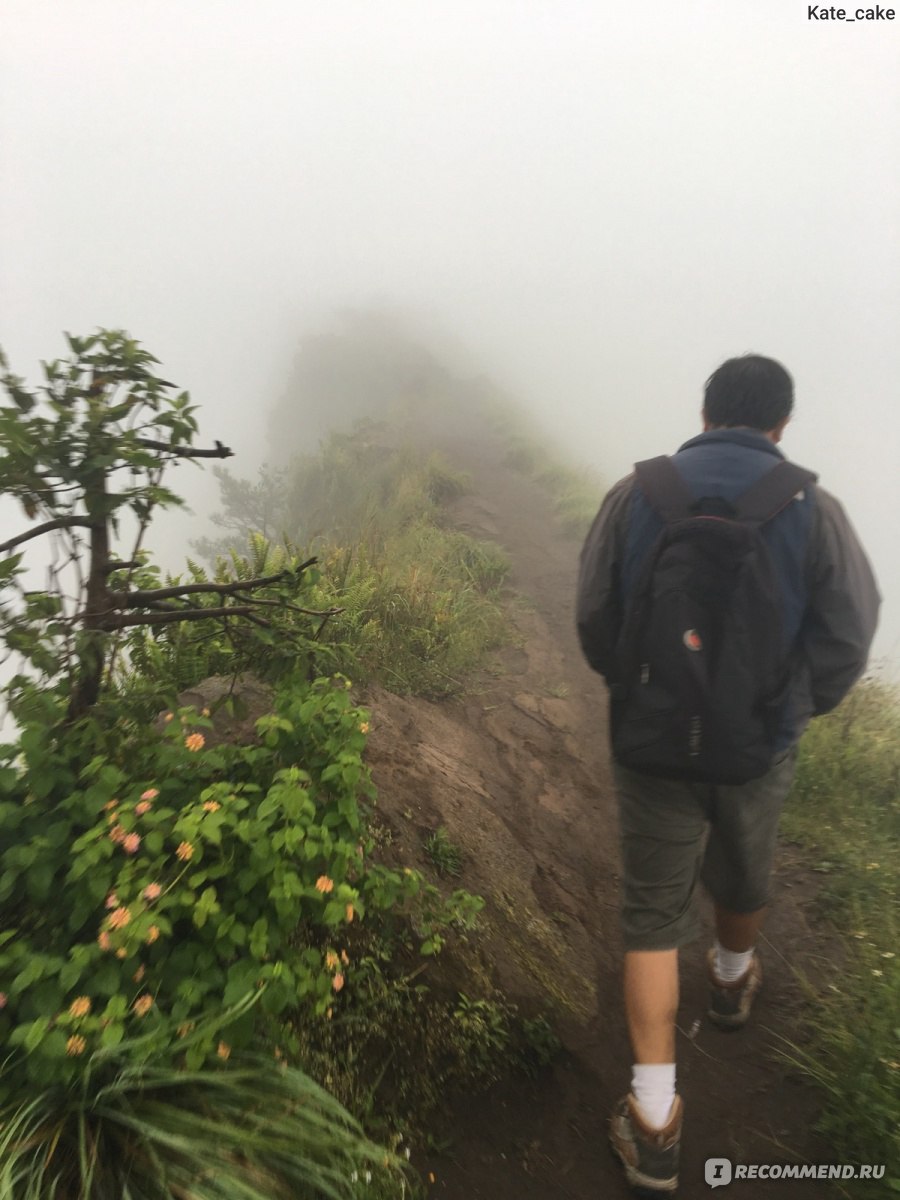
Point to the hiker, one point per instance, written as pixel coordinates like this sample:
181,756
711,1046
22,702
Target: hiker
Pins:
726,600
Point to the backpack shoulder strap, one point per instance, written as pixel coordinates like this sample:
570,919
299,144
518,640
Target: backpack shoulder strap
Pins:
666,491
772,492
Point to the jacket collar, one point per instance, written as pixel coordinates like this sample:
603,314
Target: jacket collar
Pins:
751,438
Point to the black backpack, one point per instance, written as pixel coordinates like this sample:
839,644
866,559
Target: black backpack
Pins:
701,672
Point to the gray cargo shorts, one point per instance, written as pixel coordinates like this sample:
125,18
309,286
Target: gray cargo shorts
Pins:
674,833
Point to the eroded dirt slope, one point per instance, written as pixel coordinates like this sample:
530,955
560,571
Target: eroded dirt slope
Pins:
518,773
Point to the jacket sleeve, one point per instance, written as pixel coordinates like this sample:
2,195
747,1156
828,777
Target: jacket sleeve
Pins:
842,613
599,603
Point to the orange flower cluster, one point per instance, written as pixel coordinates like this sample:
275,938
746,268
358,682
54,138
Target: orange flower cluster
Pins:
324,884
185,851
143,1004
80,1006
195,741
119,919
76,1044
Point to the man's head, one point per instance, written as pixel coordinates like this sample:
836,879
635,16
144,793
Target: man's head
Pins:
752,392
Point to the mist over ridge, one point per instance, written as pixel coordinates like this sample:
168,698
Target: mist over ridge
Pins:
591,209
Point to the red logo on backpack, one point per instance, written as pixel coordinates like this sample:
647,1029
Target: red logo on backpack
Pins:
692,639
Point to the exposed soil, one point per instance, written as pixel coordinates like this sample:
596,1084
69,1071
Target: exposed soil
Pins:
518,773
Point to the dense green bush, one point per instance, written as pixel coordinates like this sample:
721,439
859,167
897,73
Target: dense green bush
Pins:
191,877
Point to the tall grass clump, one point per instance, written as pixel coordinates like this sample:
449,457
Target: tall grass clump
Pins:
845,806
252,1130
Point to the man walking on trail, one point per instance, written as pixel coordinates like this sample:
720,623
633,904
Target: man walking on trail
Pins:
726,600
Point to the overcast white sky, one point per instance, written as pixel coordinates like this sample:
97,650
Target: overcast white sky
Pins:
602,201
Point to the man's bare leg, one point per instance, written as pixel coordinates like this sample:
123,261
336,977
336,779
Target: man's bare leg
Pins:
651,1002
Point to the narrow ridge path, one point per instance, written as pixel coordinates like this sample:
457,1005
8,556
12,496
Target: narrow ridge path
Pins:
519,771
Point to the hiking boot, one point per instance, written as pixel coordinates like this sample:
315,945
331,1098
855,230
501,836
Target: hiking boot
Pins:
649,1156
730,1003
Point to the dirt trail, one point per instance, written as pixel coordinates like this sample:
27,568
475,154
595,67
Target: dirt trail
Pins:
518,772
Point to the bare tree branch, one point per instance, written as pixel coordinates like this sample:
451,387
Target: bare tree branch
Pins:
219,450
149,596
135,599
120,620
165,616
46,527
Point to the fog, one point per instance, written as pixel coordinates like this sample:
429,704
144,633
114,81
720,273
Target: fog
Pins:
597,204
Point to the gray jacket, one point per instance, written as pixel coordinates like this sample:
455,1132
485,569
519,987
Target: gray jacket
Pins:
828,591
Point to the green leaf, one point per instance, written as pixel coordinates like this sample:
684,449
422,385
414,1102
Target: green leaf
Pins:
112,1035
36,1032
154,842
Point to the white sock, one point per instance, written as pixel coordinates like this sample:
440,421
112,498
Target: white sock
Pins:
653,1086
730,966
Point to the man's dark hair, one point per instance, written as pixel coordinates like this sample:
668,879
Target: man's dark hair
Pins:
751,390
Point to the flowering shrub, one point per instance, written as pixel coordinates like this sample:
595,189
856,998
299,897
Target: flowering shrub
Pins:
161,880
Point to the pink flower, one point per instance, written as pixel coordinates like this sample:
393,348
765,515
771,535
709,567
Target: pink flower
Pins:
150,794
131,843
143,807
117,834
119,919
112,900
152,891
103,940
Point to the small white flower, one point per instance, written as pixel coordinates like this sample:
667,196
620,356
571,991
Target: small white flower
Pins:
354,1176
878,972
368,1177
889,954
407,1153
